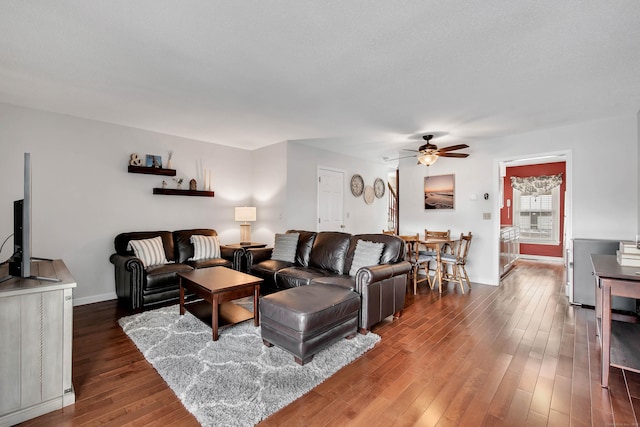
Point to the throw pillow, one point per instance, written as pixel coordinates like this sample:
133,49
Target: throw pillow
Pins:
205,247
366,254
284,248
150,251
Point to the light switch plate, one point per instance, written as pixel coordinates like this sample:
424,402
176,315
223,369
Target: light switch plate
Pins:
486,215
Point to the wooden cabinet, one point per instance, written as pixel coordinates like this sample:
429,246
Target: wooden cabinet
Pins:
36,331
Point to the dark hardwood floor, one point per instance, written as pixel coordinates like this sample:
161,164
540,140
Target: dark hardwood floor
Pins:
514,355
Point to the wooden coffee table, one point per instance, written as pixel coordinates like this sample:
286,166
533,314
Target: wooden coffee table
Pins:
218,286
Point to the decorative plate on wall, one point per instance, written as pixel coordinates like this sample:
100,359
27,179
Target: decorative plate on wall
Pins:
357,185
378,187
369,194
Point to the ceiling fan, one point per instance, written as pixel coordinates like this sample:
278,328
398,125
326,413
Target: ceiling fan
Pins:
428,153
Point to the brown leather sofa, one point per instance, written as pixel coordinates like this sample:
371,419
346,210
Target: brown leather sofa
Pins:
325,258
139,288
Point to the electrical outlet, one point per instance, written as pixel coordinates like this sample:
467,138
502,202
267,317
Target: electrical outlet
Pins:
486,215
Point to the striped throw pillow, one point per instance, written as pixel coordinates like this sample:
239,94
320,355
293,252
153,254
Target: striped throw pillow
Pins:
205,247
150,251
366,254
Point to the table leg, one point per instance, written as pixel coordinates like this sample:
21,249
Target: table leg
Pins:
214,317
181,298
256,305
439,267
606,331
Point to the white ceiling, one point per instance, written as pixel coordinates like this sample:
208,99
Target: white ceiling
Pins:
363,76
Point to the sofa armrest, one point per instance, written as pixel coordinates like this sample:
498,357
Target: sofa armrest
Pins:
256,255
228,253
376,273
382,291
129,276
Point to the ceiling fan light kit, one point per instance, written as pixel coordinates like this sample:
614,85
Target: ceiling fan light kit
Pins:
428,159
428,153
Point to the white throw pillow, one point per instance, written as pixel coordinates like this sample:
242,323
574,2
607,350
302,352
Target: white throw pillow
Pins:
366,254
205,247
150,251
284,248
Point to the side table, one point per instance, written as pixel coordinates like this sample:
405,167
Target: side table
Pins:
240,254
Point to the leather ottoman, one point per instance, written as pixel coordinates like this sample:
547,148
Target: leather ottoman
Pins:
307,319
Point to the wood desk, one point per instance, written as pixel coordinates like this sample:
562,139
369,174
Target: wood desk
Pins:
620,341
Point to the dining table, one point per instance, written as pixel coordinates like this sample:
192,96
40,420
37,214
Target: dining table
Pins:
437,244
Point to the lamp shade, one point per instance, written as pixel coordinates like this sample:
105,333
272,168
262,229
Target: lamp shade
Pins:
428,159
246,213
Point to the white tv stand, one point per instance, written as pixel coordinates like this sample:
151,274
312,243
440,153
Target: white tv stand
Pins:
36,332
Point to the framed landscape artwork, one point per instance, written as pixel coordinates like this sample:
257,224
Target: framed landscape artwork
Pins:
439,192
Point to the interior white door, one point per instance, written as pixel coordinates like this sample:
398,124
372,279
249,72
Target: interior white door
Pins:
330,200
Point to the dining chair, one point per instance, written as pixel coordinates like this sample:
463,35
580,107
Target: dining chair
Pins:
430,234
418,260
432,266
454,263
437,234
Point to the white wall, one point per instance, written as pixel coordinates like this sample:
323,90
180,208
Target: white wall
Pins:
604,158
83,196
269,183
302,192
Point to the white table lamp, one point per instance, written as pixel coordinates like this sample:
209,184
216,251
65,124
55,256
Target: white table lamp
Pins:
245,214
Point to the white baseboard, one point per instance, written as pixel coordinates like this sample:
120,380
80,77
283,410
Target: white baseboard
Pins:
94,298
553,259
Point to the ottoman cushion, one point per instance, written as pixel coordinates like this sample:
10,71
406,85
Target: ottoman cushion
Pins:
310,308
306,319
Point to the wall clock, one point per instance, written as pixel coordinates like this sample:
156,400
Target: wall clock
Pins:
357,185
369,194
378,187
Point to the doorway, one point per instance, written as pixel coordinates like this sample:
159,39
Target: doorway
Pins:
533,225
393,215
330,199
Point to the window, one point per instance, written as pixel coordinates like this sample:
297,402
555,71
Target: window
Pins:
538,216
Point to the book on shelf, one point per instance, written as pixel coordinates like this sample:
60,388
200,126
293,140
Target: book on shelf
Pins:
628,260
629,247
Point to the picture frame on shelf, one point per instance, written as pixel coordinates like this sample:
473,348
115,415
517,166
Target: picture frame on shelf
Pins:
153,161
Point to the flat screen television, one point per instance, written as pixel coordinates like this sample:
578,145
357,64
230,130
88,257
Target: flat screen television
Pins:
20,262
20,265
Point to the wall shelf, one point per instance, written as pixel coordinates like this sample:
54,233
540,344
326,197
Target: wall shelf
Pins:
176,192
152,171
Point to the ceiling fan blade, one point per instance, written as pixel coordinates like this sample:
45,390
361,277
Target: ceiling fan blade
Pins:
399,158
458,155
454,147
409,149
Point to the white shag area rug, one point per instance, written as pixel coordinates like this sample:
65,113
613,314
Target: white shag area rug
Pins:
237,380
